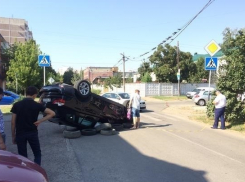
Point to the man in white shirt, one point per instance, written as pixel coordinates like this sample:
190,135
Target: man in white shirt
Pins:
220,103
135,104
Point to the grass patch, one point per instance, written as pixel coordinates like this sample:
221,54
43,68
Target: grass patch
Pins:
169,98
204,119
6,109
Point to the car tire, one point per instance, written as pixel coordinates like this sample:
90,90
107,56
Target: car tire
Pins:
117,127
103,126
63,127
71,134
83,87
108,132
127,105
201,102
70,128
127,125
88,132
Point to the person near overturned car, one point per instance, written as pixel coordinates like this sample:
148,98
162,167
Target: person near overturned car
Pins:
135,105
2,134
25,122
220,104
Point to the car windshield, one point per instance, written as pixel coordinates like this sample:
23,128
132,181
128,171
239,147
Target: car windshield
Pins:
196,90
124,95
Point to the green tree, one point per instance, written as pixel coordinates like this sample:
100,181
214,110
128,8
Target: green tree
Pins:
76,76
67,77
113,81
144,68
199,72
165,66
146,78
23,65
231,80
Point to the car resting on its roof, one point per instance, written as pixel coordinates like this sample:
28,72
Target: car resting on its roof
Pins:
77,106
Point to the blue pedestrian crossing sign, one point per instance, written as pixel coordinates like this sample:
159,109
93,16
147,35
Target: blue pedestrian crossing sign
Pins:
44,60
211,63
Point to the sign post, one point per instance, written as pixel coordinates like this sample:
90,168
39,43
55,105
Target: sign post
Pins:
44,61
51,80
178,78
211,63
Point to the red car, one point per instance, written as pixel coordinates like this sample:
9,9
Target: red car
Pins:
15,168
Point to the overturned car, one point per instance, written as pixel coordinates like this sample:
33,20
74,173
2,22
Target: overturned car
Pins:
77,106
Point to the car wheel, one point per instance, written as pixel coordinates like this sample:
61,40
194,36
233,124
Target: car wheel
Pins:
127,104
201,102
70,128
127,125
88,132
103,126
117,127
71,134
108,132
83,88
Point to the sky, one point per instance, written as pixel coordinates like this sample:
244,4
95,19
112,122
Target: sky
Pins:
84,33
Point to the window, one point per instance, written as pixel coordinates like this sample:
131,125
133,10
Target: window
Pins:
124,95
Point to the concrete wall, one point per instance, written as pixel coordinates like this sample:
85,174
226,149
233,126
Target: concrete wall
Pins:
156,89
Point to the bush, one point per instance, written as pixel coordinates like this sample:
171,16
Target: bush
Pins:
210,109
96,91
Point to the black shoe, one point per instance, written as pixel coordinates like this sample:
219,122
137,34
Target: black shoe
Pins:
213,127
222,128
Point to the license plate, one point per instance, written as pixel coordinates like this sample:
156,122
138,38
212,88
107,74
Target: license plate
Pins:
46,100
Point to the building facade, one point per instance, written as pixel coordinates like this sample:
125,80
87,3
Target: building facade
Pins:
15,30
3,61
96,74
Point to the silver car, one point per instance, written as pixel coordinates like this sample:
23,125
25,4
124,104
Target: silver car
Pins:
197,90
201,98
122,98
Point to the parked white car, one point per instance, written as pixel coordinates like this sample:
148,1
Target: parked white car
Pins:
198,89
201,98
122,98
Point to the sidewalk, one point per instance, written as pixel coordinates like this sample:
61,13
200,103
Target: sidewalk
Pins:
58,157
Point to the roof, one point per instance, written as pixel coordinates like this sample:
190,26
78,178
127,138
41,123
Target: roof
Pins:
197,56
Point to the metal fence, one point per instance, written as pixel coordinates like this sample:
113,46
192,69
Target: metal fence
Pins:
158,89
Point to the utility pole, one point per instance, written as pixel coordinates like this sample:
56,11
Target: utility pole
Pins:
178,74
123,72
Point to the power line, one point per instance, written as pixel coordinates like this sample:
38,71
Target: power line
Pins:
175,34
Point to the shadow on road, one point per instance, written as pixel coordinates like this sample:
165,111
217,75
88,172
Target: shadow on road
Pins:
113,159
152,125
101,158
145,111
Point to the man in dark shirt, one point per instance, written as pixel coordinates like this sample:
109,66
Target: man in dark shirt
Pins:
25,121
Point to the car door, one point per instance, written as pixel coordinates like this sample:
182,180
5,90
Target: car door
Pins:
206,94
6,100
115,97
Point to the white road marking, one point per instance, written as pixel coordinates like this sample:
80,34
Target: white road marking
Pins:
68,146
197,144
155,119
206,148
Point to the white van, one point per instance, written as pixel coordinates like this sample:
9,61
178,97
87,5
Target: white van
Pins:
198,89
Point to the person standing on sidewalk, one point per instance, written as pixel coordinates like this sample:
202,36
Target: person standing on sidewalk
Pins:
25,122
135,104
2,134
220,104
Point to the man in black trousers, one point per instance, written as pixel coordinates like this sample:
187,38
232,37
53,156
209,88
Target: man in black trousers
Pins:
25,122
220,103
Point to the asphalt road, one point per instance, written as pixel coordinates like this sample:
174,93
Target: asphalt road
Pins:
165,149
